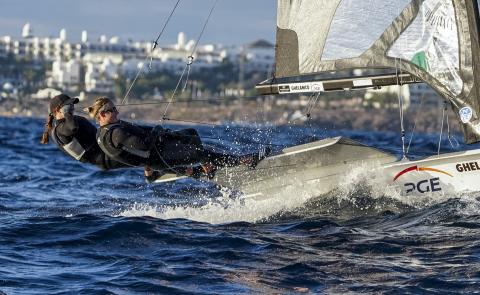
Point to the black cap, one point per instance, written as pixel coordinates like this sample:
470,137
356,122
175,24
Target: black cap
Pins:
61,100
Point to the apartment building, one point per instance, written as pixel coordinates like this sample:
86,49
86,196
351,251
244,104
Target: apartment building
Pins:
95,64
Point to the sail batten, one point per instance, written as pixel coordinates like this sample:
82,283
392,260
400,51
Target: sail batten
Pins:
435,41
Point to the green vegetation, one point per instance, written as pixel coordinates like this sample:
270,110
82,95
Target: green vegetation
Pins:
28,73
211,82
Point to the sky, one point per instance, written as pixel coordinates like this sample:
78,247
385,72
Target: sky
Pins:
233,22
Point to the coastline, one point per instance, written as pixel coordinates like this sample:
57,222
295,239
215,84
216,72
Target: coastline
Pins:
348,116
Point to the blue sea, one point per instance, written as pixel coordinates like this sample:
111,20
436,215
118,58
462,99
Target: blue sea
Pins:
67,228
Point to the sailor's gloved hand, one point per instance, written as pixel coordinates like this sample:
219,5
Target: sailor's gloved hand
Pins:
67,109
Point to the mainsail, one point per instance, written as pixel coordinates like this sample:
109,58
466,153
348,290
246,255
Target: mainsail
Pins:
435,41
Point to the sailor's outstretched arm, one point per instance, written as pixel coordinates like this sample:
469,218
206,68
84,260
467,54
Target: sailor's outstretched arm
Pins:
69,127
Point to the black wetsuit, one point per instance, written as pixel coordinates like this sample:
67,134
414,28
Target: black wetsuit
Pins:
156,147
76,137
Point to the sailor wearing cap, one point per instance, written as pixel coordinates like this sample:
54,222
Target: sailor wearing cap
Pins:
75,135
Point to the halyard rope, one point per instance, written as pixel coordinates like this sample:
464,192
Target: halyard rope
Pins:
441,129
154,45
400,107
189,61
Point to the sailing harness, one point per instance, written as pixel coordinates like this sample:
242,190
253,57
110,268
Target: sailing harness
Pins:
121,153
74,148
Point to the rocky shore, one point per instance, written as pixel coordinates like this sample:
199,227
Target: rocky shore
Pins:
350,115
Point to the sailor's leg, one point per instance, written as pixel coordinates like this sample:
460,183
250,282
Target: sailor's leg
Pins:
226,160
221,159
109,164
252,160
187,136
176,150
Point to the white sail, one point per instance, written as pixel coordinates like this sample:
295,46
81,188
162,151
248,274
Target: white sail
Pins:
435,41
431,42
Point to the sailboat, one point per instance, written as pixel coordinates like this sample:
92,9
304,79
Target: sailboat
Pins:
321,44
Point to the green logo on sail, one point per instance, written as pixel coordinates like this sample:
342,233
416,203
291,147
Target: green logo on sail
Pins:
420,60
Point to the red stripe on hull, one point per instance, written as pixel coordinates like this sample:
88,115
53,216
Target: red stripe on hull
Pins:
414,168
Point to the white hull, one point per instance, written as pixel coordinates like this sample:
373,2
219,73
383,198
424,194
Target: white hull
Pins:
451,173
307,170
319,167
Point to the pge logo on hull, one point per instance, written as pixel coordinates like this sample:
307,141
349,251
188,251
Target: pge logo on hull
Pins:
423,186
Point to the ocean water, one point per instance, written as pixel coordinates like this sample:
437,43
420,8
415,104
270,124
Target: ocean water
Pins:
67,228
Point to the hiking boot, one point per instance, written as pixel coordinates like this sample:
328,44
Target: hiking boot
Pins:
194,171
209,170
153,176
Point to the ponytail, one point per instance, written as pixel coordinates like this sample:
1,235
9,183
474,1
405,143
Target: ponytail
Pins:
48,127
91,111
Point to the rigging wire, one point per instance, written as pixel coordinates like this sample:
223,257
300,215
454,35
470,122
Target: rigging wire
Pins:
172,97
422,100
400,100
189,61
155,43
400,107
189,101
189,121
311,104
154,46
450,137
216,125
187,66
442,125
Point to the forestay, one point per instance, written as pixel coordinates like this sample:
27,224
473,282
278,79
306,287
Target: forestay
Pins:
435,41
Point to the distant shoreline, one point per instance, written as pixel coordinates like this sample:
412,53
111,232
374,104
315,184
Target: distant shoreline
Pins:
261,112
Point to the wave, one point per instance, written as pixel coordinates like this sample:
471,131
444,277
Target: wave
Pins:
360,194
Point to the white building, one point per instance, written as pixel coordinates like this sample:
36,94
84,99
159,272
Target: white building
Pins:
256,57
65,75
46,93
101,70
27,31
50,49
260,57
105,58
175,58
